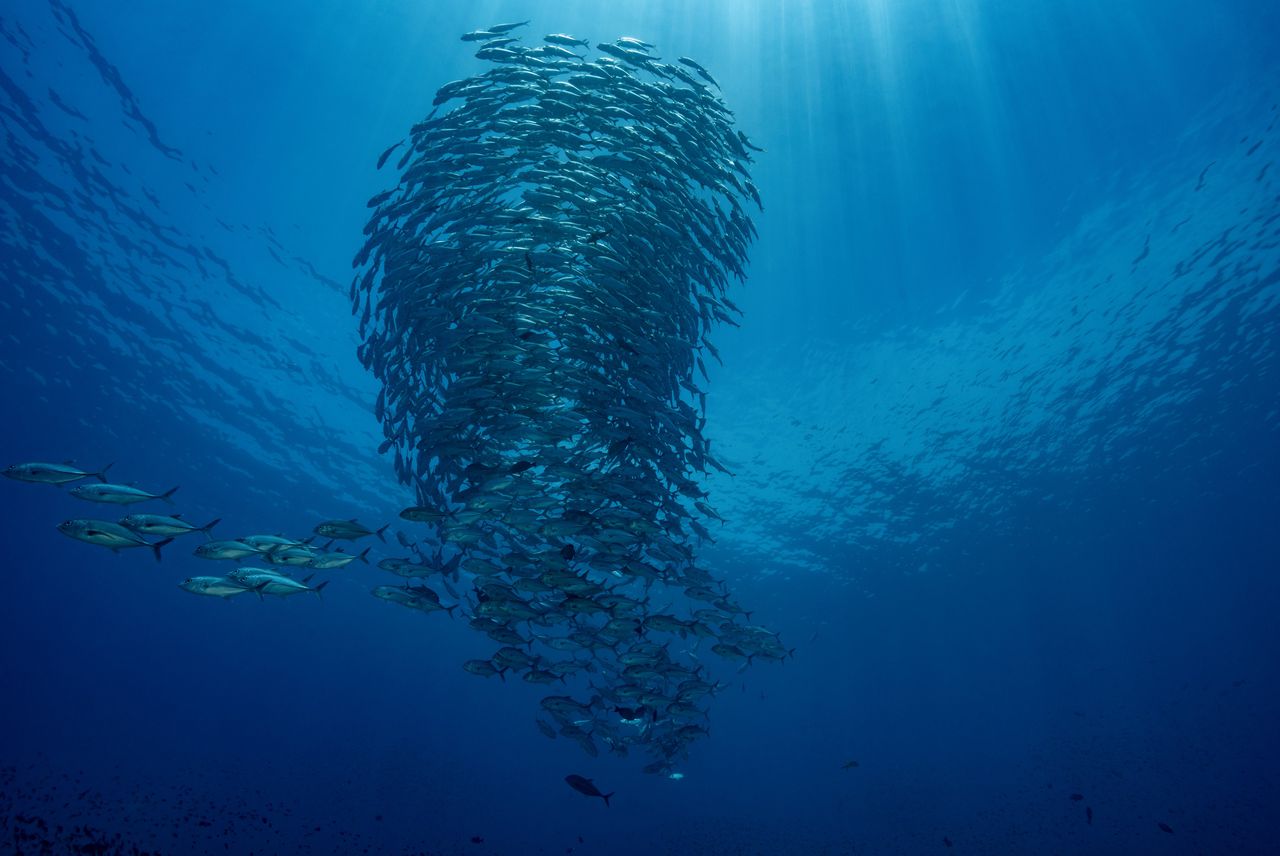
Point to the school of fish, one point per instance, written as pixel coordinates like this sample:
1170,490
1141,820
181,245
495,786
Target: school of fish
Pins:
536,296
156,531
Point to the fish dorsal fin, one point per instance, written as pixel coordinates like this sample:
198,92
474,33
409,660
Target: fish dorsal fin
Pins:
177,516
353,520
70,463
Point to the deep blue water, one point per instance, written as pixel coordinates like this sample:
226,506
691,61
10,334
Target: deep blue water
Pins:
1004,413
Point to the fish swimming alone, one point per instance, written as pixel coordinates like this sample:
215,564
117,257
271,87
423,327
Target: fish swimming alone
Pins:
587,787
104,533
55,474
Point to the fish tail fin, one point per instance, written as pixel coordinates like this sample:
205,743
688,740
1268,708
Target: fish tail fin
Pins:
156,547
379,533
318,589
450,609
502,673
364,557
606,798
792,653
101,475
167,496
207,529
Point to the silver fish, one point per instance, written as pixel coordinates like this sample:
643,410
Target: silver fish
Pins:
159,524
55,474
213,586
104,533
118,494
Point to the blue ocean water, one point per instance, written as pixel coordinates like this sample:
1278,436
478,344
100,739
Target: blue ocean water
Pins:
1003,414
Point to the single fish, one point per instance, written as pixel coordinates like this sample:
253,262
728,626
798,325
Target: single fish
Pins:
423,514
160,525
506,28
225,550
339,559
294,556
213,586
119,494
104,533
264,581
484,669
587,787
55,474
565,40
382,158
268,543
348,530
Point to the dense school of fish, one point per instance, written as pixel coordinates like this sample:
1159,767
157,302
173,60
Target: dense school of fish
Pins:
536,296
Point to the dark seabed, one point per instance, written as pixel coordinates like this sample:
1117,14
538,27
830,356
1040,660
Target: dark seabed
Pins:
995,436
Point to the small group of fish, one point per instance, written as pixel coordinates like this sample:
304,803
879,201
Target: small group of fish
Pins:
155,531
131,531
536,296
280,552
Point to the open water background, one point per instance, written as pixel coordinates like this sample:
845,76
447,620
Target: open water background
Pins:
1004,414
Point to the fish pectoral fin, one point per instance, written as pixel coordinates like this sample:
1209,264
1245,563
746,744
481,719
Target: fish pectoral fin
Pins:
156,546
